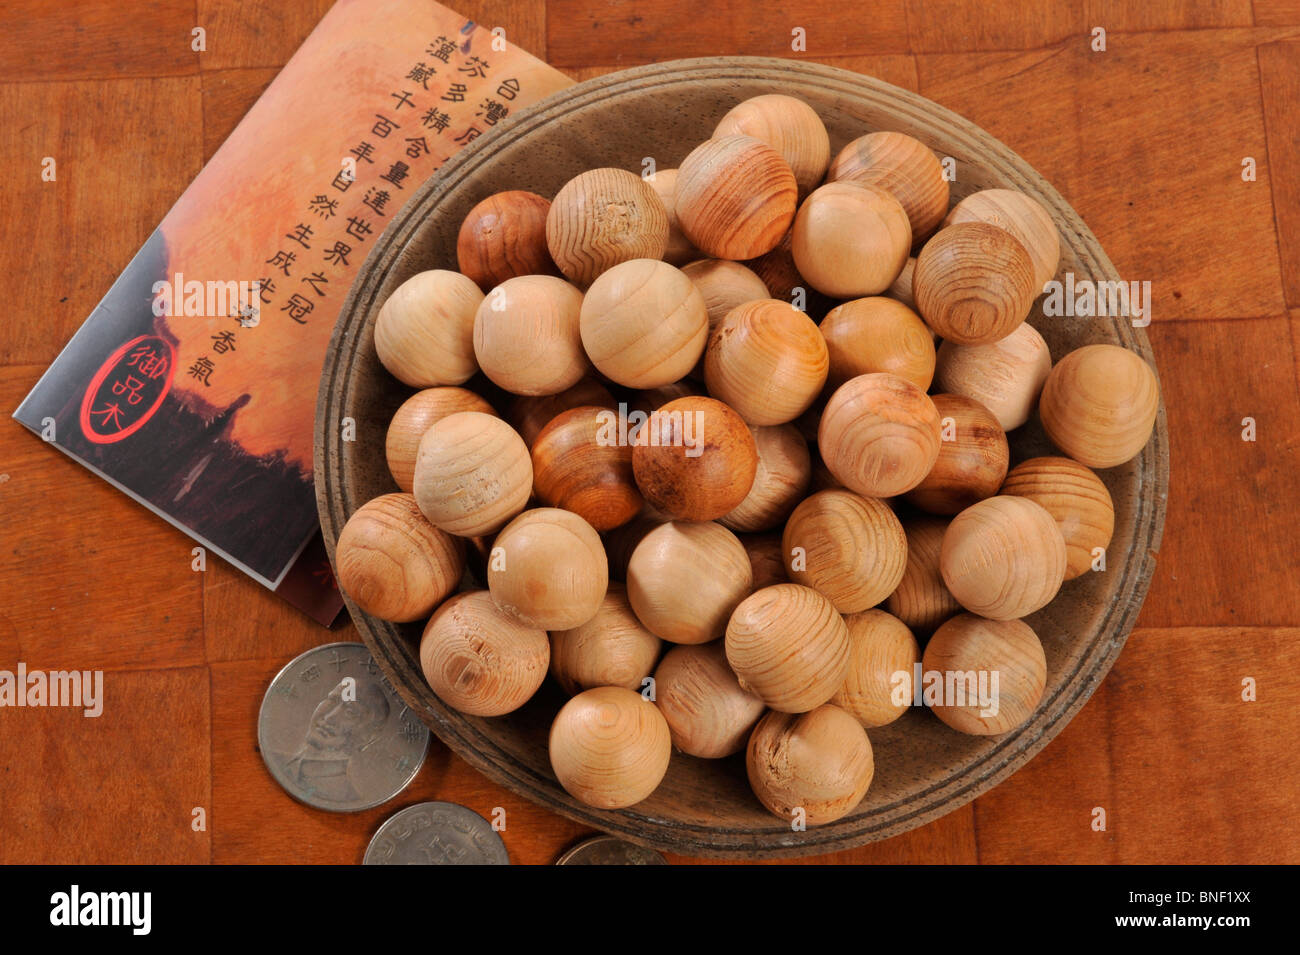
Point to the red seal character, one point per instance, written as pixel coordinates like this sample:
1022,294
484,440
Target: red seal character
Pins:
127,389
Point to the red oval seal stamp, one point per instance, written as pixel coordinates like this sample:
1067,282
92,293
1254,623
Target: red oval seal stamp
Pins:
128,388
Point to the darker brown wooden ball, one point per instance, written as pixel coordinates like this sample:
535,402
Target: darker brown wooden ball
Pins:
973,457
580,465
504,236
695,459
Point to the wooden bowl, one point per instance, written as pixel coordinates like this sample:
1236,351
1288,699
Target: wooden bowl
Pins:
706,807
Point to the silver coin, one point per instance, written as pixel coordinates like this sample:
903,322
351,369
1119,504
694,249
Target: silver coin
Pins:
335,734
436,833
606,850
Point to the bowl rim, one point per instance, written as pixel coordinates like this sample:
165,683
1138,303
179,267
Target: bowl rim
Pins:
952,792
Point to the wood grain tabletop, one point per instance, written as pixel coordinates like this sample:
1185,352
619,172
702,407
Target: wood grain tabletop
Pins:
1148,140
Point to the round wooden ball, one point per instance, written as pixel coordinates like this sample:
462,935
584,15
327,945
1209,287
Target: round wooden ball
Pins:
903,166
527,338
724,285
765,559
1099,405
548,569
880,648
603,217
879,435
735,197
767,361
777,271
472,474
1075,497
876,334
849,548
393,563
921,600
709,714
644,324
973,283
1003,558
850,239
780,482
424,333
788,645
613,648
480,661
505,236
901,288
1009,648
973,457
1023,217
679,250
695,459
529,414
417,415
685,579
788,125
579,465
819,762
1006,377
610,747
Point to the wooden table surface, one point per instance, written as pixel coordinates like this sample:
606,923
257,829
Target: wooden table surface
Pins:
1146,139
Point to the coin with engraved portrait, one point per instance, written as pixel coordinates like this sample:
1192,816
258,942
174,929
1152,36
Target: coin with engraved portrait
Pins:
436,833
335,734
606,850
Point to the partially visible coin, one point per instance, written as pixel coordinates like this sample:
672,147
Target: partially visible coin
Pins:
436,833
606,850
335,734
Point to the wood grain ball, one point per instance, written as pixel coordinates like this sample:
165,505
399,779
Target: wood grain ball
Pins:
610,747
877,334
579,465
472,474
922,600
1023,217
393,563
820,762
478,660
679,250
880,648
1009,648
504,236
765,559
1006,377
879,435
548,569
644,324
780,481
850,239
527,336
788,125
735,197
709,714
1076,498
788,645
1099,405
613,648
973,283
424,333
417,415
901,288
973,457
903,166
603,217
685,579
1003,558
766,360
695,459
849,548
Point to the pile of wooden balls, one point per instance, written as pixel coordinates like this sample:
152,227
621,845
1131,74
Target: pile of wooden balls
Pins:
783,506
